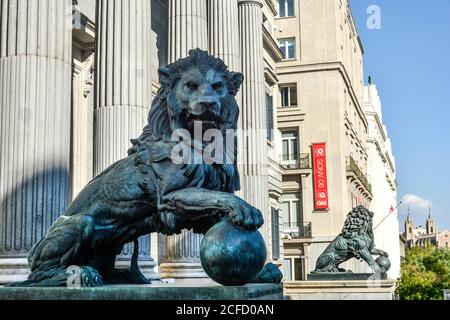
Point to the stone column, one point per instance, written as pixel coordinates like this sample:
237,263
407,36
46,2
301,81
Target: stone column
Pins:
223,32
188,29
187,24
254,186
35,110
224,43
123,90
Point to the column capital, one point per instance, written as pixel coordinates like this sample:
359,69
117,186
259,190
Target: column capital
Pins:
252,2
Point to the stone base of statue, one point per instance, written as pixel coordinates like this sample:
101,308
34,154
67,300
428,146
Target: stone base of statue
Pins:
340,289
157,291
17,269
13,270
343,276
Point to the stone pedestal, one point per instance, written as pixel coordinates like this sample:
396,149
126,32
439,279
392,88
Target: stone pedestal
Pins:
340,290
123,91
35,110
343,276
149,292
13,270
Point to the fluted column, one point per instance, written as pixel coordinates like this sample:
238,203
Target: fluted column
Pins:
254,185
187,24
123,86
223,32
224,43
35,109
188,29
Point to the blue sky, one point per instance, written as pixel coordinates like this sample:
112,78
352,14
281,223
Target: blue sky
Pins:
409,61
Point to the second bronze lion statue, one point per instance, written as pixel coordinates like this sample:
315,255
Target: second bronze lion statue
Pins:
355,241
147,192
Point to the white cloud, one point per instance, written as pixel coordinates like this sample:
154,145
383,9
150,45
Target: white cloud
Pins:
416,202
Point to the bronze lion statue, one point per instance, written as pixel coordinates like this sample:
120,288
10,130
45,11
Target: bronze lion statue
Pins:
355,241
147,192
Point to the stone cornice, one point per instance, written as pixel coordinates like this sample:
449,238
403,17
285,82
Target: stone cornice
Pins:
271,7
378,122
271,46
271,76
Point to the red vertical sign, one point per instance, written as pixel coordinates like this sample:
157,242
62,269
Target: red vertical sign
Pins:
320,176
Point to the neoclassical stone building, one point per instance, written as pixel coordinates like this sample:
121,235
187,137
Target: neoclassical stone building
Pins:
321,101
76,82
77,78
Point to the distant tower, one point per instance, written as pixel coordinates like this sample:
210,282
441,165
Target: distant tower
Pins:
431,227
409,226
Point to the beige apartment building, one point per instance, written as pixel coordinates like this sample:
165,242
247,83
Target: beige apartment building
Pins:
321,101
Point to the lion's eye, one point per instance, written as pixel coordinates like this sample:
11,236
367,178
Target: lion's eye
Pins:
191,85
217,85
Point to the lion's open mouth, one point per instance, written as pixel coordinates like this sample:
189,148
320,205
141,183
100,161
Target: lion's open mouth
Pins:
207,120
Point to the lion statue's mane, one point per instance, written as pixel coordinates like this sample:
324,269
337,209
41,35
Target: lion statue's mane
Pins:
156,141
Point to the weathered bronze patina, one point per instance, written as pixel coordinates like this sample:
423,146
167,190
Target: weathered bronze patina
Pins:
355,241
147,191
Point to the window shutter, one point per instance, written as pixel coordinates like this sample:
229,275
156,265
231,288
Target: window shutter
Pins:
275,234
270,122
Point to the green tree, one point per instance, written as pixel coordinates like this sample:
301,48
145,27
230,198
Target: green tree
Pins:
424,274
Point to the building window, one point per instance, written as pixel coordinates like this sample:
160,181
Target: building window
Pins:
275,234
298,269
290,210
293,269
287,269
286,8
289,95
287,47
270,121
410,230
290,145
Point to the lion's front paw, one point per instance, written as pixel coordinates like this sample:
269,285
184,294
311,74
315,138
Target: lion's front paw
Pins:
246,216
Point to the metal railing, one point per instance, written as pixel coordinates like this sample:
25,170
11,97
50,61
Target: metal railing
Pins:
352,166
298,230
295,161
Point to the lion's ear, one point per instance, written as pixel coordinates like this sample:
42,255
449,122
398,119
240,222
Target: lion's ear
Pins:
237,79
164,76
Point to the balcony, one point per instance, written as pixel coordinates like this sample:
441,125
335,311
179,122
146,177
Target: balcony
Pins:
353,167
295,161
297,230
